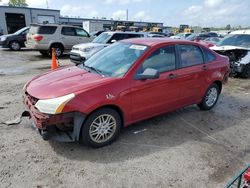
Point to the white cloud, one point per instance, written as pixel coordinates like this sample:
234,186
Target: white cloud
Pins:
143,16
213,3
79,11
216,13
121,2
119,14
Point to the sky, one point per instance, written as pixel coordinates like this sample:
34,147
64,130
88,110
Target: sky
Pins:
204,13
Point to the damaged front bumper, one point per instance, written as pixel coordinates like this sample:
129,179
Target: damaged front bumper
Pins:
64,127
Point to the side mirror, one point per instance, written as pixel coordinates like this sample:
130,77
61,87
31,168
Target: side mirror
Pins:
113,41
148,73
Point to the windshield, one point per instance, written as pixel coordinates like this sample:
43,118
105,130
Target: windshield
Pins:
20,31
115,60
236,40
102,38
191,37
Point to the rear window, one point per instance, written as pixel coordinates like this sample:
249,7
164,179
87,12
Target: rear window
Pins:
42,29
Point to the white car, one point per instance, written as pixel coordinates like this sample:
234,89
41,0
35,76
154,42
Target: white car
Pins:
81,52
236,46
181,36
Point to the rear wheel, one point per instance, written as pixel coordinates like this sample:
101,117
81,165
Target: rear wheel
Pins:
210,98
246,71
101,128
58,49
15,45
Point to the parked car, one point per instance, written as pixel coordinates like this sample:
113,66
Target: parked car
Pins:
14,41
96,33
181,36
214,40
158,34
198,36
237,47
81,52
44,37
124,83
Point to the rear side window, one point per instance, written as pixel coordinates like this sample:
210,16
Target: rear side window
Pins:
81,32
190,55
162,59
47,29
69,31
208,55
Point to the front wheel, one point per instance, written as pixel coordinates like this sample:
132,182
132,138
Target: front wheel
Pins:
210,98
15,45
101,128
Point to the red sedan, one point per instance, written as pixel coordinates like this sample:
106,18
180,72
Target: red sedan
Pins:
124,83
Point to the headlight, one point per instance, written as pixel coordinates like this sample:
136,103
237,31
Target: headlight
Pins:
55,105
3,38
86,49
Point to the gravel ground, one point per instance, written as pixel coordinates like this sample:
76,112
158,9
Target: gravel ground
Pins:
185,148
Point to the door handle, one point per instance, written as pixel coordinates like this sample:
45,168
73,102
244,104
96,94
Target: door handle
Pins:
172,76
204,67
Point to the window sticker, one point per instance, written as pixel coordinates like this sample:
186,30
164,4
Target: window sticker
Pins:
137,47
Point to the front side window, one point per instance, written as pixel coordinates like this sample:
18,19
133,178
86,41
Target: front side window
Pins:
162,59
116,59
190,55
81,32
69,31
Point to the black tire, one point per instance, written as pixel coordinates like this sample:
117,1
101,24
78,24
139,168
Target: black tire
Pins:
207,105
15,45
246,71
58,48
44,52
91,125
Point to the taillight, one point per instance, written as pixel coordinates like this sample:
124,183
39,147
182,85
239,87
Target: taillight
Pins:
38,37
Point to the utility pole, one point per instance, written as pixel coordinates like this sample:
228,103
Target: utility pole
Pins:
127,14
47,3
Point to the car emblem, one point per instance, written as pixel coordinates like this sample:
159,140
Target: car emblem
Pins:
109,96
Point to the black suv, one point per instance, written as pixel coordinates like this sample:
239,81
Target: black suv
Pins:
14,41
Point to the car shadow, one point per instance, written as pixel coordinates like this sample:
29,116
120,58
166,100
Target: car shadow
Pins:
162,132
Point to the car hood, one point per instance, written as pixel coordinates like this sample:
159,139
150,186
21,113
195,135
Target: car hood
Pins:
90,45
226,48
64,81
9,35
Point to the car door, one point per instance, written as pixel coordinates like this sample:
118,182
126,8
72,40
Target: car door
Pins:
68,37
154,96
192,73
82,36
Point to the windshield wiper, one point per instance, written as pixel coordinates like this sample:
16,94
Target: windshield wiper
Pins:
94,69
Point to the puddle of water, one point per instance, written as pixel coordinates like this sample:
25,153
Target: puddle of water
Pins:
12,71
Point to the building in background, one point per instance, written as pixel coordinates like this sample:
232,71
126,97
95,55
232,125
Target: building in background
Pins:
15,18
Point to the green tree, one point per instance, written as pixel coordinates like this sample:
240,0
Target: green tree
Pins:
18,3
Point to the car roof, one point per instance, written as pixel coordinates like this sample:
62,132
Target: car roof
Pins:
156,41
241,32
63,25
124,32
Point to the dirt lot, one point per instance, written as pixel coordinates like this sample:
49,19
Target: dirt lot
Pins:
186,148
